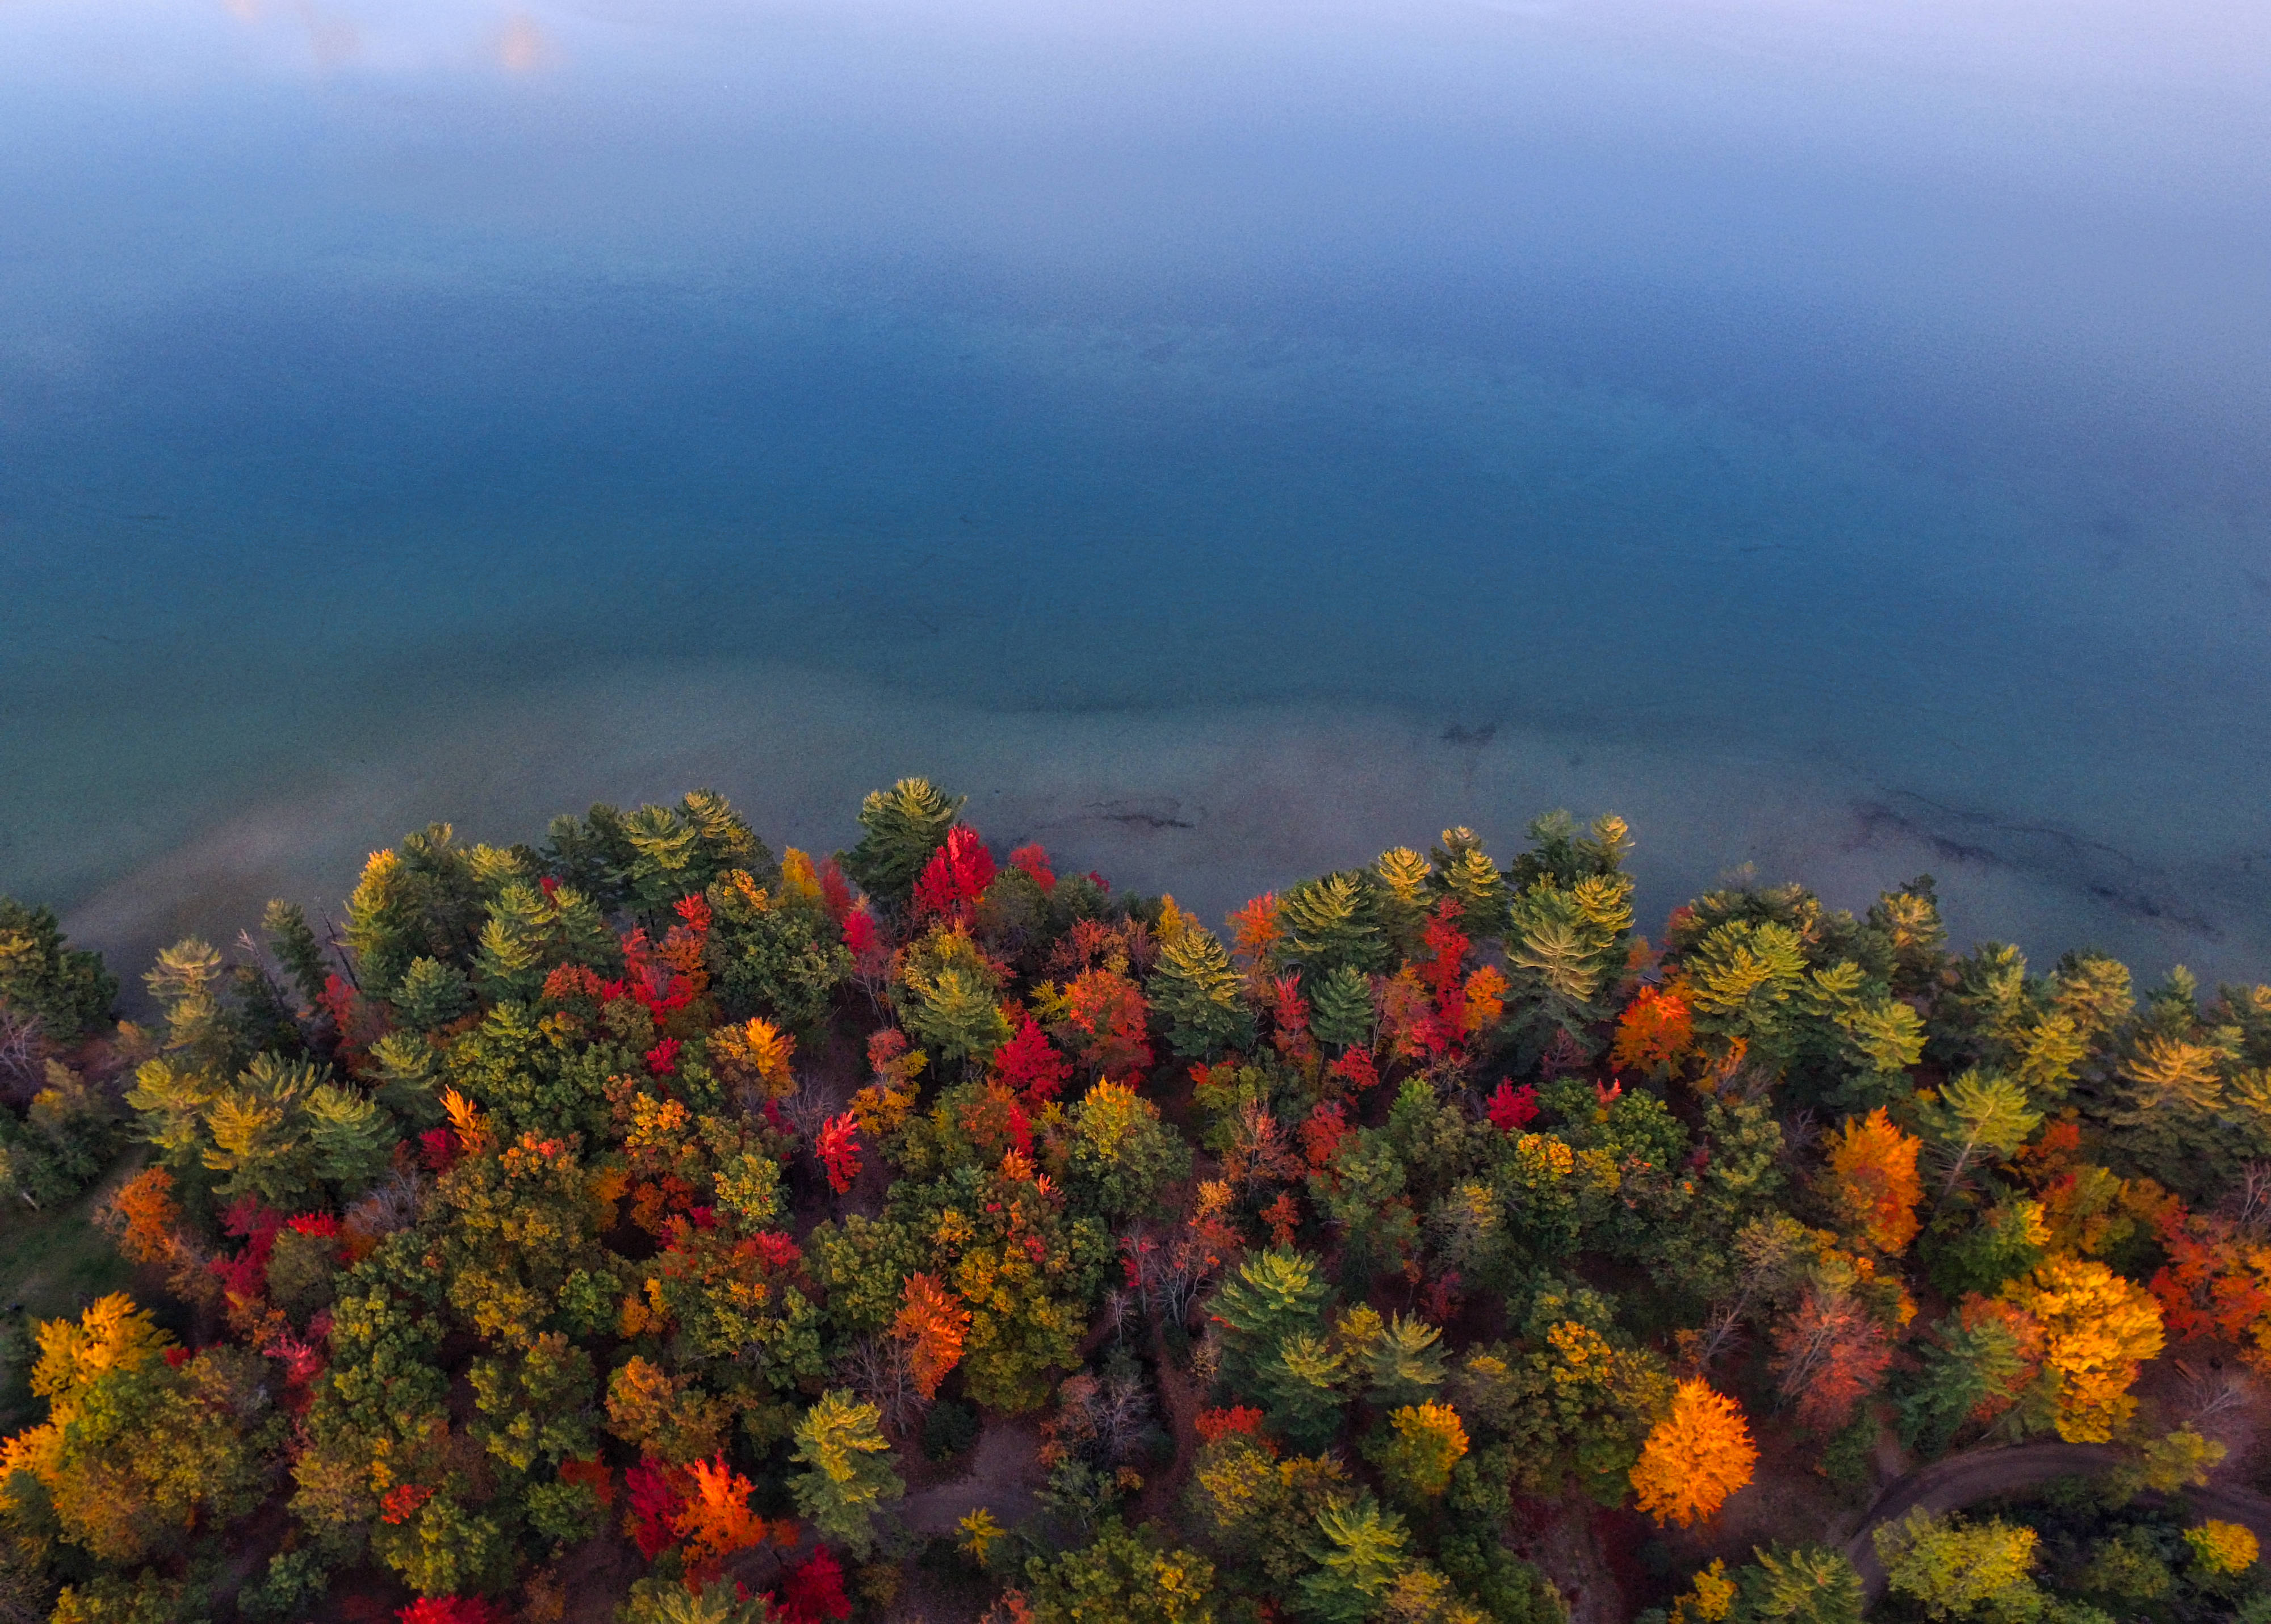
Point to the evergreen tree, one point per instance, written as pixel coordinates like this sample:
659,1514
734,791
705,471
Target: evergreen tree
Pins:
433,994
846,1476
1977,1115
67,988
1201,996
1403,1364
1462,869
1362,1551
1340,1007
1274,1296
289,938
350,1136
904,826
1332,922
1809,1584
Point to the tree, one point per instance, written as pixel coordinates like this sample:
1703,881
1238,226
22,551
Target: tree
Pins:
838,1146
814,1593
1830,1354
1959,1570
2222,1547
1275,1295
951,993
955,876
1428,1440
934,1325
1873,1184
1971,1371
904,826
1655,1032
1363,1550
846,1476
141,1442
1807,1585
1341,1012
1328,923
1402,1361
1698,1455
716,1521
1977,1114
65,987
1121,1576
1199,993
1574,1411
2097,1329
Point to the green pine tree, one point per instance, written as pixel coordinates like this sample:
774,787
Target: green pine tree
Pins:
351,1136
1362,1549
1330,922
433,994
1201,996
846,1472
1275,1295
289,938
1340,1007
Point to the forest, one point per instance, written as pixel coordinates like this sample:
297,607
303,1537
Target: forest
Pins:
647,1225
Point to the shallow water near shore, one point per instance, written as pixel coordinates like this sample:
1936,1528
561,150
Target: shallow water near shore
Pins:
1222,445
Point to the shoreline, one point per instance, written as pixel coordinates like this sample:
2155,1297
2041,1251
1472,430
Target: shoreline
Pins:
1224,803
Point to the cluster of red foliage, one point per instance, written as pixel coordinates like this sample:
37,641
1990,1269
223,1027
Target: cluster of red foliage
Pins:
838,1147
662,980
813,1593
1108,1021
454,1610
1214,1426
1512,1108
1030,1066
650,1517
954,879
1035,862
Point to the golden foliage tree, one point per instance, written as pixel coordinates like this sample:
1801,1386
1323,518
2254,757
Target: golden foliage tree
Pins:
1696,1458
2097,1329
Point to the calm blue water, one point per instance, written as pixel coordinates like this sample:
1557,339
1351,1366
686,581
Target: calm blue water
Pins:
1835,430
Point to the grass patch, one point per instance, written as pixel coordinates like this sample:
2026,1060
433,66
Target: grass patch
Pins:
52,1263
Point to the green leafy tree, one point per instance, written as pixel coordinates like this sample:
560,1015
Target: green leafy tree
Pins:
1461,868
1275,1295
285,924
423,899
1954,1569
847,1475
349,1134
432,994
1120,1578
1330,923
1404,1363
1961,1371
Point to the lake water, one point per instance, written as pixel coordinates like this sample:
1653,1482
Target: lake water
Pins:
1223,439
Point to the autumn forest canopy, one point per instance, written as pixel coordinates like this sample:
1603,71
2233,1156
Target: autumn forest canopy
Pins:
647,1225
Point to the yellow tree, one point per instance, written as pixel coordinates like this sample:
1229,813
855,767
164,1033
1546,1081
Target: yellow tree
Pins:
1697,1456
1871,1180
2097,1329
